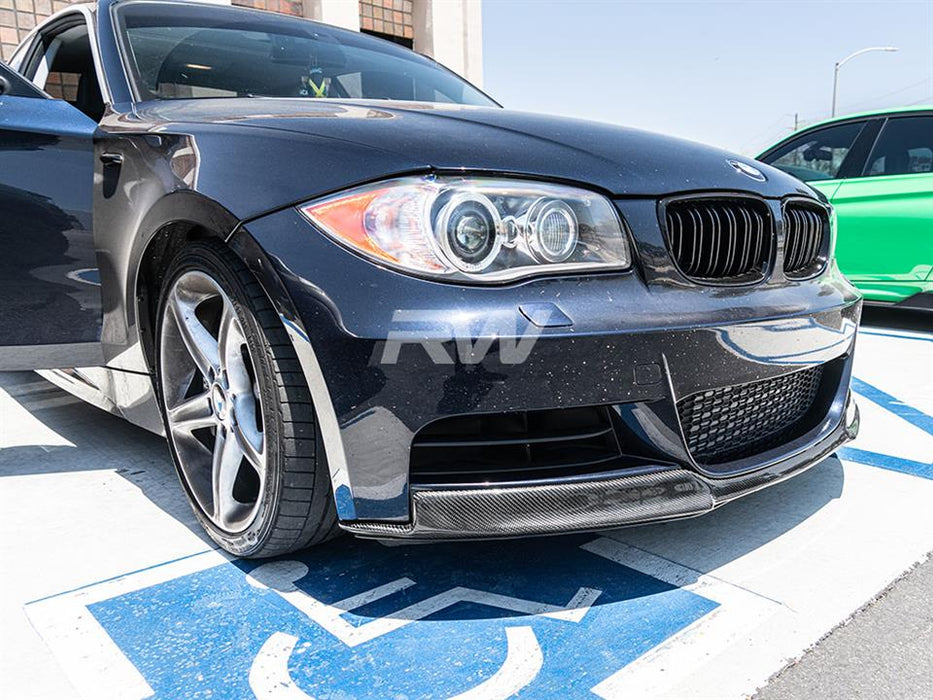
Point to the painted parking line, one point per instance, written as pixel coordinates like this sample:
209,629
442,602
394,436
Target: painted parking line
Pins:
926,338
89,656
603,614
904,411
912,415
897,464
431,621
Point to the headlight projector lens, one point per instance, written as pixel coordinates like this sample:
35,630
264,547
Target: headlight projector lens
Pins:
469,230
552,231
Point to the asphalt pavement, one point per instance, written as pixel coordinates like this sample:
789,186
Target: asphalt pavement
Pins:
884,651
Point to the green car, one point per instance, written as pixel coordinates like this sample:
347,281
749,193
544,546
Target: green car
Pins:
877,170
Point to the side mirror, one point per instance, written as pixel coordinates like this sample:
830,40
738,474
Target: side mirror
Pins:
5,86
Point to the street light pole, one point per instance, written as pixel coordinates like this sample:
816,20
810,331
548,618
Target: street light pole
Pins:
841,63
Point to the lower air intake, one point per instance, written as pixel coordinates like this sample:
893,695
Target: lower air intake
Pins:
523,445
735,422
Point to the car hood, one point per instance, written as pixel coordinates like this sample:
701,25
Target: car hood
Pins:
405,136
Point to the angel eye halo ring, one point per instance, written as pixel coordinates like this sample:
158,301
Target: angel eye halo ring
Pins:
552,230
469,231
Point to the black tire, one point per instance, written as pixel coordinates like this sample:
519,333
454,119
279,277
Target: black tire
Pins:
296,507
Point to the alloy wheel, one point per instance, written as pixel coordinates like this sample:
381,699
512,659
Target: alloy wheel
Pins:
212,402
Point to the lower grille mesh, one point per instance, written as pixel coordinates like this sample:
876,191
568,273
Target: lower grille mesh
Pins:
722,425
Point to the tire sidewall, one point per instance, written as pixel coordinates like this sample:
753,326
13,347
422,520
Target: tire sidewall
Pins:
209,260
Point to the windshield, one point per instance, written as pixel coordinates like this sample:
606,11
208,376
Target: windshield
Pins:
178,51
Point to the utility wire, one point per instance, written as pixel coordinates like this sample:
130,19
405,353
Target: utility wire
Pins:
874,100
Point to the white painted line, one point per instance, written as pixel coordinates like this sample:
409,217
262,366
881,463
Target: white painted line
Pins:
377,593
805,550
687,651
269,678
89,657
522,664
93,663
281,577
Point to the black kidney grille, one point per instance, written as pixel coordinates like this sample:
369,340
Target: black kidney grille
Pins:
719,239
499,447
723,425
805,228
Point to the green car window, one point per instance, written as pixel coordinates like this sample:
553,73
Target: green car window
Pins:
817,155
905,147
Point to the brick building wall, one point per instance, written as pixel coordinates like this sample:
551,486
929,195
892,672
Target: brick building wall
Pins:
388,18
18,17
286,7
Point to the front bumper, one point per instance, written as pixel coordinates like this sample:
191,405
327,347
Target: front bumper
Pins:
597,503
637,342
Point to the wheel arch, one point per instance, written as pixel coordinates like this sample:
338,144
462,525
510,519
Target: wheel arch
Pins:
190,216
173,221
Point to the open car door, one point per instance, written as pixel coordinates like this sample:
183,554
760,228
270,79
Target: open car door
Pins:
50,297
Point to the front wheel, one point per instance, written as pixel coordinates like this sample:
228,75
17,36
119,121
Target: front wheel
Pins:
238,413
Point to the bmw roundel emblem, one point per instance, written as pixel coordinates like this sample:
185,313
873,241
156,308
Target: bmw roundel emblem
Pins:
748,170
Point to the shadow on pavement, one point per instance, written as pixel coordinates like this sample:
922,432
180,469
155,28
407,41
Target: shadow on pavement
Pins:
100,441
74,436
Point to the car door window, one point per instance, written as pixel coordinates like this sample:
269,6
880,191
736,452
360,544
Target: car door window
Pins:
65,70
905,147
817,155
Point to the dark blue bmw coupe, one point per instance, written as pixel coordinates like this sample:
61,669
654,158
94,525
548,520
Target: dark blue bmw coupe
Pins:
355,293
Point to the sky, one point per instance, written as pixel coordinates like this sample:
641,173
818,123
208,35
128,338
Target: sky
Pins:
731,74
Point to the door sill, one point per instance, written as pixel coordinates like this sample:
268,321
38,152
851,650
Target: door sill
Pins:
25,357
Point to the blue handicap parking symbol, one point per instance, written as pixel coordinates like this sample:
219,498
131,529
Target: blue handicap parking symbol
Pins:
357,619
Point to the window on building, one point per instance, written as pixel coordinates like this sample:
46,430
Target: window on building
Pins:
388,19
905,147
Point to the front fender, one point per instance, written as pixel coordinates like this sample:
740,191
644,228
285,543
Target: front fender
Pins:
244,245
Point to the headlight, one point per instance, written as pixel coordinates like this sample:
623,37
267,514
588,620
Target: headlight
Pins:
473,228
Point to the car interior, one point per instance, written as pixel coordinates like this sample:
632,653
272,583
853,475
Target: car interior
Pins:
65,70
905,147
193,62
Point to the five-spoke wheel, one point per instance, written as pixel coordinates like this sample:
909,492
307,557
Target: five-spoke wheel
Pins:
212,404
242,431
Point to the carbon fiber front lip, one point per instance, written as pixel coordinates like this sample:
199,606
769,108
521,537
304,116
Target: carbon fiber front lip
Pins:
598,504
548,508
